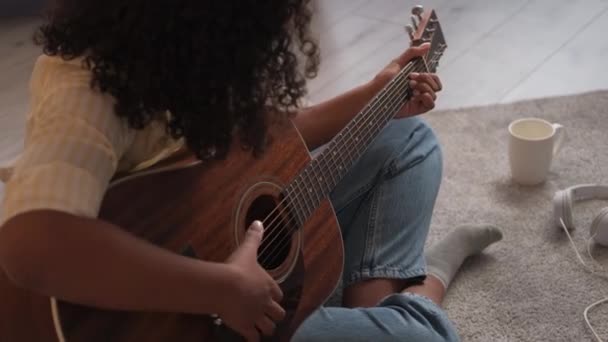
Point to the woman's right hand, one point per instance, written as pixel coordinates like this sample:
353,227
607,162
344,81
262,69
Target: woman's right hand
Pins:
254,296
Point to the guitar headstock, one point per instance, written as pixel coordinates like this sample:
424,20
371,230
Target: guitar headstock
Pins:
425,28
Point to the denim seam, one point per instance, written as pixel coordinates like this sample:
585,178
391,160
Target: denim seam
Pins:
356,195
389,170
370,238
393,171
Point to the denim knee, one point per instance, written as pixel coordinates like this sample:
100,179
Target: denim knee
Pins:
399,317
408,142
424,320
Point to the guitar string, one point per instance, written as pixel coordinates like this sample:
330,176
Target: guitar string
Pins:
391,98
299,189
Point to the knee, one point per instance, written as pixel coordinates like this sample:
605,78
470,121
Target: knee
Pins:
412,142
423,320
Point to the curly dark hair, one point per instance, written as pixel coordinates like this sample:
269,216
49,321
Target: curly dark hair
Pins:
217,66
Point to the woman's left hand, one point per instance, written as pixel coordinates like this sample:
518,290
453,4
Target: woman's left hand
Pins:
424,85
425,88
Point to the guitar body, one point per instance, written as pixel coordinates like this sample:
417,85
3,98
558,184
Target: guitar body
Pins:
200,210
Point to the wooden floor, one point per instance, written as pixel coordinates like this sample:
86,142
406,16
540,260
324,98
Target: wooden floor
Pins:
499,51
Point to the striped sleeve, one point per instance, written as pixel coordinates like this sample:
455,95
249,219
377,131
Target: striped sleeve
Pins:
72,147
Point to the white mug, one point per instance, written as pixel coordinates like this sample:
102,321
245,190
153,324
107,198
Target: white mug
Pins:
532,145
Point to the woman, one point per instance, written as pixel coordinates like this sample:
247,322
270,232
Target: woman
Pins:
125,83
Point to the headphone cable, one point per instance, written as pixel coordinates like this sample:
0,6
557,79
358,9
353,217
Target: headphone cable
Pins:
585,313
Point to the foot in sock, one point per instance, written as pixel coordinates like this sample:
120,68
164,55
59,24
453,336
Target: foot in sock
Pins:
445,257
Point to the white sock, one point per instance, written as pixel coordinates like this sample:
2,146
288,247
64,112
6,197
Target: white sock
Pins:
445,257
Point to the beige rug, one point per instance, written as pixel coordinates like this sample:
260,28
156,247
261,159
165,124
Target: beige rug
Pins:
530,286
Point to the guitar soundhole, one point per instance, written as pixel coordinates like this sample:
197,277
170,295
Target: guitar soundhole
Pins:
279,226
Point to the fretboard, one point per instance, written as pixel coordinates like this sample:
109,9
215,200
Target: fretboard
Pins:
323,173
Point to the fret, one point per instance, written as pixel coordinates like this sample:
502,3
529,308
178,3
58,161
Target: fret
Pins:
308,192
322,178
352,155
332,162
341,164
313,185
295,208
324,174
347,152
326,160
302,198
344,137
319,177
360,136
307,186
337,156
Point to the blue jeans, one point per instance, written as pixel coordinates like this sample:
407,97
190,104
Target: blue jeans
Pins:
384,206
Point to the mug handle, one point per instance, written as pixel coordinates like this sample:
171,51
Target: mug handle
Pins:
560,133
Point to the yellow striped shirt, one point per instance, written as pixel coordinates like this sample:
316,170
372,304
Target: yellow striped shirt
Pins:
74,144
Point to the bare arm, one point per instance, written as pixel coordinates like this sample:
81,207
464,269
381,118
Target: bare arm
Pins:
94,263
320,123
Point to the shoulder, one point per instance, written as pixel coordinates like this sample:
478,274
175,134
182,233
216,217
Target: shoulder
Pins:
61,95
53,72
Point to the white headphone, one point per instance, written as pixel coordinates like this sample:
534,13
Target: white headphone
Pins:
564,199
562,208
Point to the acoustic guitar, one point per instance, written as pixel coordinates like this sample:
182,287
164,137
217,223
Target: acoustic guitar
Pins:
212,204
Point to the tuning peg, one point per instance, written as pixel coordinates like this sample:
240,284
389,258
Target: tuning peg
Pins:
417,11
414,22
410,30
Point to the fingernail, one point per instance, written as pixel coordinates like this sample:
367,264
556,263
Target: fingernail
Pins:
257,225
414,74
413,83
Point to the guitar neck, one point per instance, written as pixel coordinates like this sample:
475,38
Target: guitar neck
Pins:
323,173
